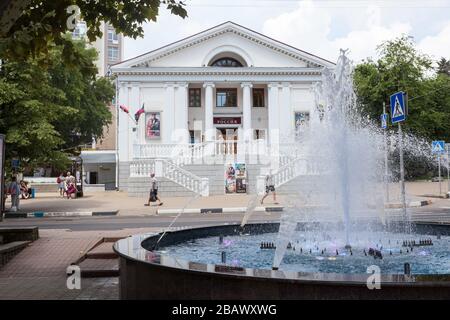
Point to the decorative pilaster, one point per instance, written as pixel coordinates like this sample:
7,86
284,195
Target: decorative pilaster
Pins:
209,102
247,110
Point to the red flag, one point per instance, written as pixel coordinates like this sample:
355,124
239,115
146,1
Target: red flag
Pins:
124,109
137,115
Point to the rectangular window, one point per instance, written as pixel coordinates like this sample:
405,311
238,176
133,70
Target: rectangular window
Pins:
258,98
113,53
195,97
112,36
226,98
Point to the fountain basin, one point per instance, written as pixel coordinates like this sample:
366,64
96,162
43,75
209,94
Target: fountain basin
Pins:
146,273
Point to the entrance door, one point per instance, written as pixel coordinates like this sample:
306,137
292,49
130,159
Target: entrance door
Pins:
228,139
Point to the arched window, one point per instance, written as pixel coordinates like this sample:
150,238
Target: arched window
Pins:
226,62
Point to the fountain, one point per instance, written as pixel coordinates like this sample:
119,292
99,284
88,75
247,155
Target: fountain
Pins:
333,229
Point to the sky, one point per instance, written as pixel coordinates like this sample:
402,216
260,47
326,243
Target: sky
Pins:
321,27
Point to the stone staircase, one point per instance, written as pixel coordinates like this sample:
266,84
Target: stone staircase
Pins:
100,260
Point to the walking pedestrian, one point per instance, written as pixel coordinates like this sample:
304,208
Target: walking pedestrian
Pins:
270,187
153,191
61,184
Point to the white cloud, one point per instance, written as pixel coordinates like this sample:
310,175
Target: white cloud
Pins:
437,45
309,28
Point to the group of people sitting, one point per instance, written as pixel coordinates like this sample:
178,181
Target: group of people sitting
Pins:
67,185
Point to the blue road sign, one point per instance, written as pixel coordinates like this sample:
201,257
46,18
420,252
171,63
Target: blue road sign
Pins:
15,163
438,147
384,119
398,107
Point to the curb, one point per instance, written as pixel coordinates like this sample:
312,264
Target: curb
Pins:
412,204
40,214
218,210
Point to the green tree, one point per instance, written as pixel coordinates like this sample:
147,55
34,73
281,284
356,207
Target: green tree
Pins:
42,24
48,107
402,68
443,67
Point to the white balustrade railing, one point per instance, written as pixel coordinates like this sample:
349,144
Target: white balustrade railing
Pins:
288,172
167,169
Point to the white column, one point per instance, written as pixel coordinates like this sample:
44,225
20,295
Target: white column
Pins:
209,103
247,111
181,132
168,114
124,122
274,123
286,115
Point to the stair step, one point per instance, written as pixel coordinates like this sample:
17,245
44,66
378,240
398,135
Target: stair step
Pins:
98,268
9,250
102,251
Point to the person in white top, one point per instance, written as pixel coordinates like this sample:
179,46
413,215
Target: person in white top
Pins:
153,191
270,187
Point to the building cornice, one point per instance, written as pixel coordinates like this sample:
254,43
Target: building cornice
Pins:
209,71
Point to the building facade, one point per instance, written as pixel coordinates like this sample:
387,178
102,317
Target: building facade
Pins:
225,97
99,157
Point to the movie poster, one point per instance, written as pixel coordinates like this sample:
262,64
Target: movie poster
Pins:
153,125
241,178
235,178
301,120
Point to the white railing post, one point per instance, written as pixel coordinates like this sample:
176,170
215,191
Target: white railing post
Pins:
204,183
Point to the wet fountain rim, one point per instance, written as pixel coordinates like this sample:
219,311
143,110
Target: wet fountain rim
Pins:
132,248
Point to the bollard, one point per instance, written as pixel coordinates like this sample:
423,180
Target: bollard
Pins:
407,269
224,257
221,240
33,193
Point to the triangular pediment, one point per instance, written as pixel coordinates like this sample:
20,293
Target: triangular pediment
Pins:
256,49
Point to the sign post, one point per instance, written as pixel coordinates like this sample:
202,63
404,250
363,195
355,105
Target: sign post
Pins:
384,119
438,147
398,114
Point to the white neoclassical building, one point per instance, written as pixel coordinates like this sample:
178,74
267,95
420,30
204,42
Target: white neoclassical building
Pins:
217,109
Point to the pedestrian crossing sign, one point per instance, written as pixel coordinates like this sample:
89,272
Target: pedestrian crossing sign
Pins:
438,146
398,107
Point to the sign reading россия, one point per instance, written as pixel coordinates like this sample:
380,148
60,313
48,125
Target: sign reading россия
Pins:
227,120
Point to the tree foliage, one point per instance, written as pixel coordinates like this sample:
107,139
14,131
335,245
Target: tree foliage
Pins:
401,67
47,107
44,23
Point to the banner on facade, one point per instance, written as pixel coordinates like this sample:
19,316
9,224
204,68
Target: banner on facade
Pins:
301,120
153,125
235,178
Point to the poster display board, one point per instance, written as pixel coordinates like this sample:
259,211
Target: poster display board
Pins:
235,178
153,125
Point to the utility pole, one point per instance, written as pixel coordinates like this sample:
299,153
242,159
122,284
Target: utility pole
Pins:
402,173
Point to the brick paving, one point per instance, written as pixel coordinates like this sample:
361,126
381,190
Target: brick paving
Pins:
39,271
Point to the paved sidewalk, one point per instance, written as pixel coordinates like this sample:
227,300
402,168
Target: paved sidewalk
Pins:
111,201
39,271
